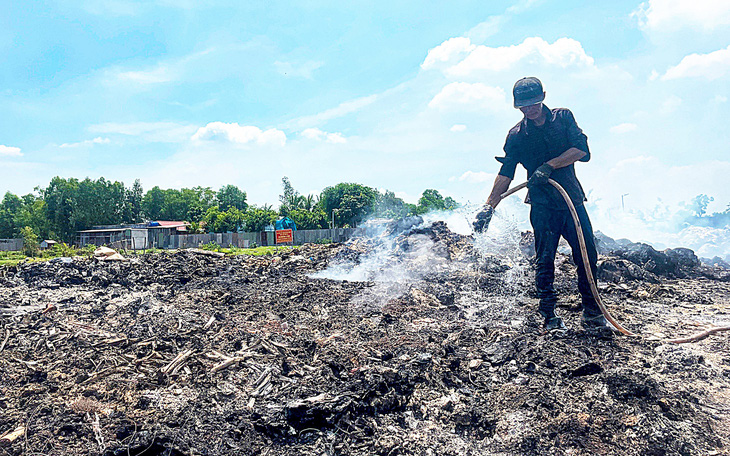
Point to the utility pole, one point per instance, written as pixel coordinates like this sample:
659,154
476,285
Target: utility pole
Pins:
333,224
622,201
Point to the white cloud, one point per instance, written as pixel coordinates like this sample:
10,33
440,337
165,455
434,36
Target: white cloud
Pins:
157,75
164,132
303,70
564,52
522,6
493,24
480,32
407,197
340,110
719,99
319,135
190,67
88,142
458,128
9,151
671,104
669,15
234,133
623,128
475,177
448,51
463,95
708,66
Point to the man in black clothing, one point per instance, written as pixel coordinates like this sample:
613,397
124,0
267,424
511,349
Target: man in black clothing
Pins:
547,142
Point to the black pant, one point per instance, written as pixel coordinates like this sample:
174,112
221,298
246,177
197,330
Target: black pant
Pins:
549,224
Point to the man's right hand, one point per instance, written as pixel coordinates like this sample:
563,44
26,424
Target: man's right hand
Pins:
483,218
540,176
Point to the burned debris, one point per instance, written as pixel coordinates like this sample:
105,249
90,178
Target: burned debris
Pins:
410,343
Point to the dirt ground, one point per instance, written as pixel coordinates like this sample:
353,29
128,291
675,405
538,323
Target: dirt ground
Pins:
434,350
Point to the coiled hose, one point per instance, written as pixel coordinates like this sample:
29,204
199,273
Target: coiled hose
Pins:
589,272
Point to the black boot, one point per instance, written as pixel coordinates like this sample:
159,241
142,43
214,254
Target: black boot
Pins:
552,321
597,325
594,322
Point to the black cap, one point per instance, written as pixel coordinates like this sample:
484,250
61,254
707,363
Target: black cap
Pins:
527,92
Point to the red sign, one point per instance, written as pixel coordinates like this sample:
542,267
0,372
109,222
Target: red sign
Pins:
284,236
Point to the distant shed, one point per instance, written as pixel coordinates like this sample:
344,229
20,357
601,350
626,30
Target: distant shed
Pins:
47,244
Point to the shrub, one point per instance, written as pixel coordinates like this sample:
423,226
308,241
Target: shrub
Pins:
211,246
30,241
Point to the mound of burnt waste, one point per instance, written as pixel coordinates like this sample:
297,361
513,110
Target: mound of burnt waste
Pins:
410,342
626,260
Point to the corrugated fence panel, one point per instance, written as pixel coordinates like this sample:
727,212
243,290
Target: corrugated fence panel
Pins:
11,245
245,240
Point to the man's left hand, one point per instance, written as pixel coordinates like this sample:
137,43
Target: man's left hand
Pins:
540,176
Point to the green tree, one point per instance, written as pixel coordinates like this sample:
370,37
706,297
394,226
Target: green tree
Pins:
350,202
30,241
231,196
60,197
153,203
310,203
9,209
71,205
210,219
309,220
450,203
189,204
390,206
133,203
97,202
290,199
33,214
216,221
431,200
256,218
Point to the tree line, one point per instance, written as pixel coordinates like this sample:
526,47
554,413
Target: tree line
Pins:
66,206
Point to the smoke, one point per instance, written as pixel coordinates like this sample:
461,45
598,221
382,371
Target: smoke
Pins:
392,264
664,226
399,259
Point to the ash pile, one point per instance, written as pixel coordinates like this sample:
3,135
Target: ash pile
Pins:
406,341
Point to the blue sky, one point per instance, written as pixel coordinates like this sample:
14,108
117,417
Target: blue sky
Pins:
399,95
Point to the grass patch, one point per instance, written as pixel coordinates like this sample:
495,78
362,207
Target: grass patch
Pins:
58,250
13,258
261,251
254,251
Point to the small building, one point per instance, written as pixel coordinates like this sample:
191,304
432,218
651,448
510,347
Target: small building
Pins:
47,244
132,237
159,232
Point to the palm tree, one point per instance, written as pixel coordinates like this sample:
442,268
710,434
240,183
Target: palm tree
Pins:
309,203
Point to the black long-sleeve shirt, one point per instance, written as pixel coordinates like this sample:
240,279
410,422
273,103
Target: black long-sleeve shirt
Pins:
531,146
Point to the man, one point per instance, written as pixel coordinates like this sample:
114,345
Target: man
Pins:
547,142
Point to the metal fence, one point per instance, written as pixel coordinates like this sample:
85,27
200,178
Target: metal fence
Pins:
11,245
245,240
185,241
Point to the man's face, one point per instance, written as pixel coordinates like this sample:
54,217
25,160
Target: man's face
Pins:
532,112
